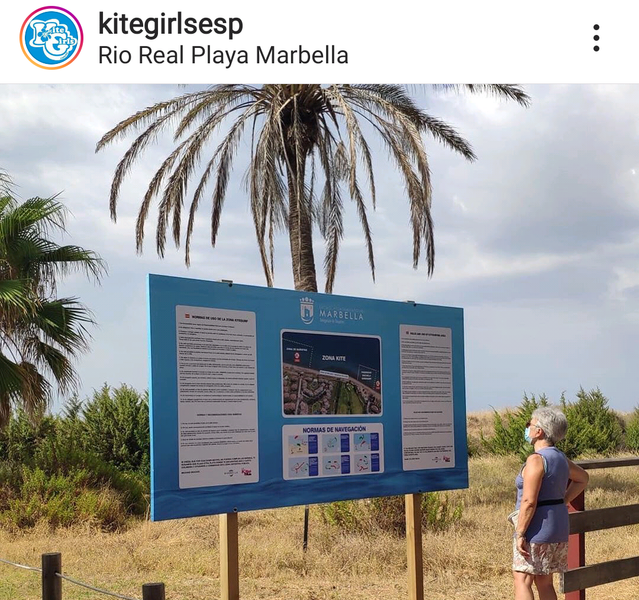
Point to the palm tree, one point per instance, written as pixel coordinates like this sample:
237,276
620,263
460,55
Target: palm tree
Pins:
308,145
40,334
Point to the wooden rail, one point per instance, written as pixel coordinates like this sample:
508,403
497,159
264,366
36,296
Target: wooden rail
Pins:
579,576
604,518
608,463
606,572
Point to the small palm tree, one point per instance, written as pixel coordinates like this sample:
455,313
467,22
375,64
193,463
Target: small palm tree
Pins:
40,334
308,145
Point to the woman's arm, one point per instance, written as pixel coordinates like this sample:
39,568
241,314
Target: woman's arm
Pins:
578,482
533,474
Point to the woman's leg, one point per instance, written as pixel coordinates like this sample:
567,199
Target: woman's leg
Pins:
545,587
523,585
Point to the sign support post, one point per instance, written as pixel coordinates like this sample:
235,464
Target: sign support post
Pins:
414,546
229,557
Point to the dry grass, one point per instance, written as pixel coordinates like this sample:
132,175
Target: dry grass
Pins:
481,422
470,561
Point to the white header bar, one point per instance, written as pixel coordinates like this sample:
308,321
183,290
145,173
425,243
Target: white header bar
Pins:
291,41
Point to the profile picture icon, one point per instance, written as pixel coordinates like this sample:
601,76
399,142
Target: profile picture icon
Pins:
51,37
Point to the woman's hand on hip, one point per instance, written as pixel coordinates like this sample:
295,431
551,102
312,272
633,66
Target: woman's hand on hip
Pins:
522,546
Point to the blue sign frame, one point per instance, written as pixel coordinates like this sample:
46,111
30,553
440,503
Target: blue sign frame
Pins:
277,311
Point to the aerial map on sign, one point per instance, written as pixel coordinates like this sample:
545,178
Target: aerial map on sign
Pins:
330,374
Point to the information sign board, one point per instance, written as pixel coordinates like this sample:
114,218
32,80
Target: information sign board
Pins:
262,398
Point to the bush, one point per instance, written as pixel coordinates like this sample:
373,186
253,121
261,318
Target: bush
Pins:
474,446
632,431
60,456
388,514
22,435
88,464
62,500
116,427
509,429
344,514
593,428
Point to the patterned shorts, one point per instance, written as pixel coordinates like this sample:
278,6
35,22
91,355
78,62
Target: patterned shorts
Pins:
544,558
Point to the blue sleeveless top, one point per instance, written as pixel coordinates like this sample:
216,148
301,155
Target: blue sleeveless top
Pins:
549,524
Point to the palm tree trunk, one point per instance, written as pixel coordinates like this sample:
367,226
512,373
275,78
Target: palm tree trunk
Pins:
300,228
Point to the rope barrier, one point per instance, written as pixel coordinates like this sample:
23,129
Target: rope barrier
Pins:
70,580
8,562
94,589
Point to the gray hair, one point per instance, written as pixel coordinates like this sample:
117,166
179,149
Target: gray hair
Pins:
552,421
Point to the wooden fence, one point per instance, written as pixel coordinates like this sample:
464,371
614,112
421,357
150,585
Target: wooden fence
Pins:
579,576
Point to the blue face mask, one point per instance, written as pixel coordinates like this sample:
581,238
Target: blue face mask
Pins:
527,435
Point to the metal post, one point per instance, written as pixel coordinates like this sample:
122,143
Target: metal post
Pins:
576,548
305,542
153,591
51,583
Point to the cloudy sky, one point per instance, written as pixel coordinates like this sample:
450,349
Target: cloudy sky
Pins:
538,240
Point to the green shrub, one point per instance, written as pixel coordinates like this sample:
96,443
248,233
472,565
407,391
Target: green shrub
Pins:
90,463
388,514
508,437
62,500
632,431
474,446
105,508
438,513
116,428
344,514
61,456
22,435
593,428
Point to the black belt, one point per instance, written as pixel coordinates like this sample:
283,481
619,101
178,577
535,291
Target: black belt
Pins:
550,502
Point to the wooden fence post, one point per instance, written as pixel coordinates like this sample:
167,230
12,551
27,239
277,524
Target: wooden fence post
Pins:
229,557
576,548
153,591
414,546
51,583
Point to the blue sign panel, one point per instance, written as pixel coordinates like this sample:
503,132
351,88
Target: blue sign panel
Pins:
262,398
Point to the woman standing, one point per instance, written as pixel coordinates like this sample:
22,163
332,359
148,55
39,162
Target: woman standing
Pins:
545,485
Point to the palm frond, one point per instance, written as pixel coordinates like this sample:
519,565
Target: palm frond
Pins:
50,359
14,295
147,117
36,214
63,322
5,183
500,90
